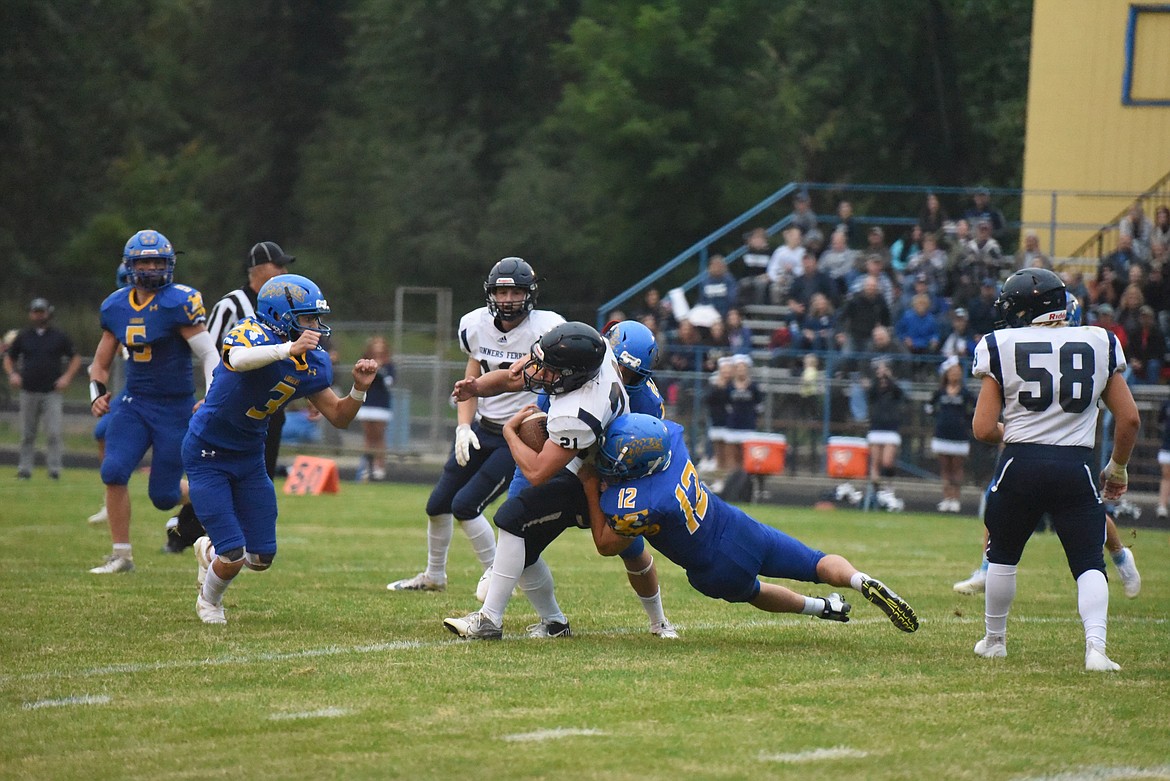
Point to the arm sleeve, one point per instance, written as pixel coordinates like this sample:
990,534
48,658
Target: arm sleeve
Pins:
244,359
204,349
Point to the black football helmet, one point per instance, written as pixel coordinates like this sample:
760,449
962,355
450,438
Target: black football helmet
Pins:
511,272
571,351
1031,296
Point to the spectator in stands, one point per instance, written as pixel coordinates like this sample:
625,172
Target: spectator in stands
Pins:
654,304
982,209
745,400
1029,254
875,269
960,342
651,322
1074,282
846,223
933,217
1160,234
803,216
717,288
1138,229
876,245
757,254
1109,286
784,266
716,401
1120,259
1103,318
839,261
739,336
862,311
818,325
1147,347
808,283
1129,305
906,248
985,256
684,352
917,328
932,262
814,244
982,307
1157,292
919,285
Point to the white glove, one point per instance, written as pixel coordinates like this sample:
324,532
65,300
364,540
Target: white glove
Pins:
465,439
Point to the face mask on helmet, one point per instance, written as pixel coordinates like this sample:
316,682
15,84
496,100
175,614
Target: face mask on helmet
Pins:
510,289
564,359
149,258
633,446
290,304
635,348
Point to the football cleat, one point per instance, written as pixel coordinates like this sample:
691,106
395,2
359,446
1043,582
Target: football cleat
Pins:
420,582
836,609
209,613
664,629
101,516
1097,662
992,647
974,584
896,609
114,564
549,629
202,550
475,626
1131,579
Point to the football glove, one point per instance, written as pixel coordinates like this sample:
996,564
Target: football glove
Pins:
465,439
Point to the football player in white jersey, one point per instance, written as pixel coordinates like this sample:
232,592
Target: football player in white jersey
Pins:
480,466
1046,379
577,368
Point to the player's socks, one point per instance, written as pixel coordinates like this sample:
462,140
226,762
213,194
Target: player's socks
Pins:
506,570
1119,557
1093,605
439,530
653,607
483,539
813,606
123,550
537,584
214,586
857,579
1001,591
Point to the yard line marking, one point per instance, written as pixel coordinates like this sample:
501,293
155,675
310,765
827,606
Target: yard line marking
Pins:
84,699
815,755
1106,774
553,734
322,713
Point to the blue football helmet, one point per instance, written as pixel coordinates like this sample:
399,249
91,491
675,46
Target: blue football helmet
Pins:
149,244
1073,310
635,347
286,298
634,445
123,277
571,352
1032,296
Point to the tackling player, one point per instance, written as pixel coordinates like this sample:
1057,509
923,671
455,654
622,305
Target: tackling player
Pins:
1046,380
160,324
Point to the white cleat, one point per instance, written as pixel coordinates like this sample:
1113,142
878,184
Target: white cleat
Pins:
209,613
420,582
974,584
992,647
203,551
114,564
476,626
664,629
1097,662
1131,579
101,516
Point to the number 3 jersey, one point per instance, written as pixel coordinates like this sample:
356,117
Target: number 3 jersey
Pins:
235,414
495,349
1051,379
159,362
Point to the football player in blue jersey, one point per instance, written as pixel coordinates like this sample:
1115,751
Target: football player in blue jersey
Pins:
160,324
267,361
1047,379
643,483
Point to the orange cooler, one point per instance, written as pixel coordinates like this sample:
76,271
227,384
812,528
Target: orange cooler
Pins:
848,457
763,454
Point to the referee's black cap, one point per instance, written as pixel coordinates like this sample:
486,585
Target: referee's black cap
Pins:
268,252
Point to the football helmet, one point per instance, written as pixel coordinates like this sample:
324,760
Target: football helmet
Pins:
571,352
511,272
286,298
1032,296
149,244
123,276
635,347
1073,314
634,445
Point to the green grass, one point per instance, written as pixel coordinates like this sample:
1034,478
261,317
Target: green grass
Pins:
324,674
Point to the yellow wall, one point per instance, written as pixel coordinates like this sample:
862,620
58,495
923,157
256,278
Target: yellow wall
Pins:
1081,139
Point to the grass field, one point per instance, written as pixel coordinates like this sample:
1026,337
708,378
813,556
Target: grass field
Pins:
322,673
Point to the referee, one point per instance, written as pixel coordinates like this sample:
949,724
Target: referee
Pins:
265,261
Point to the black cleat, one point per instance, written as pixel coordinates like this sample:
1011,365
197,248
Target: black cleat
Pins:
836,609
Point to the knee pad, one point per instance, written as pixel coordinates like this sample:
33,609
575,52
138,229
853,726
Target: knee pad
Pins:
230,556
167,501
633,550
114,473
258,561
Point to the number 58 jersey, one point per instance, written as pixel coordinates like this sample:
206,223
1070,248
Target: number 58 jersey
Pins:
1051,379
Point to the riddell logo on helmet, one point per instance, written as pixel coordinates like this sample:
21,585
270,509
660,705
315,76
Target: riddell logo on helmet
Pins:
1051,317
505,281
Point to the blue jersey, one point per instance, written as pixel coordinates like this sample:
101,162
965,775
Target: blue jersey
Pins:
159,362
646,399
235,414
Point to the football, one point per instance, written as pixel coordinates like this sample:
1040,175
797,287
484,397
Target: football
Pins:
534,431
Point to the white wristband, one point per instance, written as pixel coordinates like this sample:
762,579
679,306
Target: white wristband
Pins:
1117,472
356,394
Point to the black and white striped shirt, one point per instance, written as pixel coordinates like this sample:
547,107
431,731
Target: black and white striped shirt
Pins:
228,311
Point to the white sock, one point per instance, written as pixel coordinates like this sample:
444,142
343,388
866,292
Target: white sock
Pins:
537,584
483,538
439,530
214,586
1093,605
857,579
1000,592
1119,557
122,550
813,606
653,607
506,570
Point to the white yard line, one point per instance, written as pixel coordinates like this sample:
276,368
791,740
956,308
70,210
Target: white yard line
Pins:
321,713
553,734
84,699
1121,773
814,755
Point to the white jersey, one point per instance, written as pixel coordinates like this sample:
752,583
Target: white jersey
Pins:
577,419
1051,380
495,349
